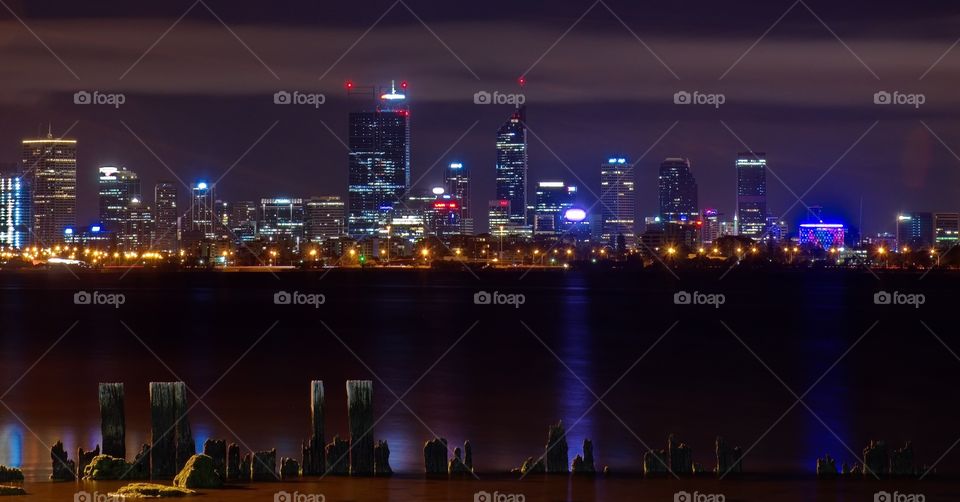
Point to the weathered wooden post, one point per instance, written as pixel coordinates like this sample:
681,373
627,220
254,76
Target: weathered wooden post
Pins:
876,459
186,448
112,421
64,469
338,452
233,462
435,456
360,415
263,466
314,457
163,418
381,459
655,463
84,458
681,458
728,459
556,450
217,450
584,464
901,461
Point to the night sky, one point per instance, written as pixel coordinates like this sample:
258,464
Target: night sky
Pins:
202,96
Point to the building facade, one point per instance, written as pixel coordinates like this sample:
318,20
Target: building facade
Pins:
678,191
166,217
552,200
457,184
751,194
618,201
379,162
117,187
511,175
14,208
52,166
324,218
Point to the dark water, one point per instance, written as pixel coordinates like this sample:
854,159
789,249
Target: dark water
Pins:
515,370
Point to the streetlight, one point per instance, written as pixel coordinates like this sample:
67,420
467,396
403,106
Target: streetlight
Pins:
388,242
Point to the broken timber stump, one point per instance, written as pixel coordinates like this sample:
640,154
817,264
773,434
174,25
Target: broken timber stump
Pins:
360,416
112,421
314,451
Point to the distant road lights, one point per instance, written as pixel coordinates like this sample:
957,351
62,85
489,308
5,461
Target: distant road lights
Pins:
671,251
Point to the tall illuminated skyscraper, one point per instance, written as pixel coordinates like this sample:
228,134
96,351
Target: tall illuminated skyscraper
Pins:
203,210
751,194
457,181
618,201
323,218
552,200
512,166
379,141
52,166
117,186
14,208
678,191
166,227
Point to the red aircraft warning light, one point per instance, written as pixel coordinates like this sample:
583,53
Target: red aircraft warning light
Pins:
522,81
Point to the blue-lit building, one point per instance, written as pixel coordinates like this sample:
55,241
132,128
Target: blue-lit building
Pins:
915,229
751,194
618,201
822,235
553,199
512,166
678,191
14,209
379,176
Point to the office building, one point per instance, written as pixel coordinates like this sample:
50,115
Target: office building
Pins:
51,165
117,186
678,191
947,229
915,230
324,218
511,166
618,202
457,181
751,214
166,216
280,218
822,235
553,199
203,217
138,227
14,208
243,220
379,163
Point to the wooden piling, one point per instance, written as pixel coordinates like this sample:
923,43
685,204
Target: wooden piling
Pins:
263,466
64,469
556,450
360,415
381,459
337,453
163,417
435,456
217,450
314,451
84,458
186,448
233,462
112,420
680,456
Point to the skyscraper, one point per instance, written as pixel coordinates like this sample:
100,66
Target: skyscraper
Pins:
512,166
52,165
202,211
751,194
678,191
915,229
138,226
243,220
117,186
457,180
947,228
323,218
166,216
618,201
379,142
552,200
281,218
14,208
